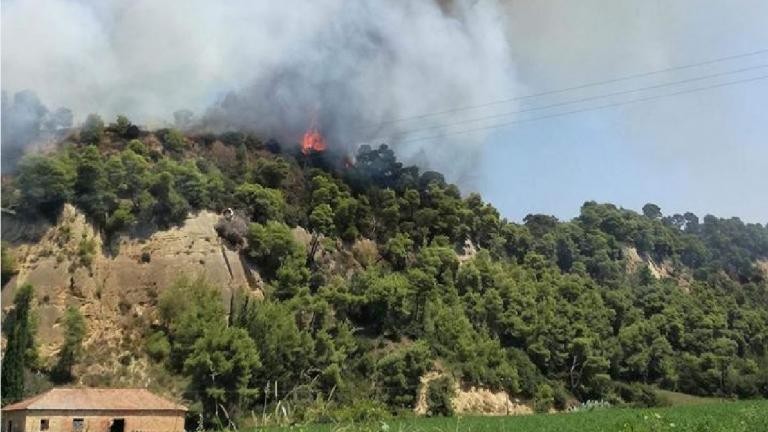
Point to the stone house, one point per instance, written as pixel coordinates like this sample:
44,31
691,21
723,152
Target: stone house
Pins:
94,410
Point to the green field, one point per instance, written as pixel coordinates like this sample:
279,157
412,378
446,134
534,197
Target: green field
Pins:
750,416
681,399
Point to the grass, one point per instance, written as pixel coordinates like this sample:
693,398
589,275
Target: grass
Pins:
682,399
745,416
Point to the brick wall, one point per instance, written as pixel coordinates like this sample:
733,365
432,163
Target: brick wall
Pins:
95,421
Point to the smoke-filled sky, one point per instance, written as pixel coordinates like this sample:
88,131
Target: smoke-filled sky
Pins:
355,65
264,65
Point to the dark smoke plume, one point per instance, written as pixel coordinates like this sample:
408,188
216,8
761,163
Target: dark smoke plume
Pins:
25,121
270,67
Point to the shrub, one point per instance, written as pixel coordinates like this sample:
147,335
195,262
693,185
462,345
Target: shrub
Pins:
529,374
158,346
271,173
121,125
138,147
361,411
85,251
271,245
173,141
562,398
120,219
8,264
45,183
440,394
124,128
544,398
92,130
640,395
263,204
399,372
170,208
72,350
365,252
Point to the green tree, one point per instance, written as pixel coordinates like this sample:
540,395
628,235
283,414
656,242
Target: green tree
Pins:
388,211
174,141
440,392
138,147
169,207
71,349
121,125
263,204
191,184
158,347
271,173
652,211
271,244
20,341
220,366
399,371
93,129
92,189
321,220
286,351
539,224
723,351
387,301
120,219
129,173
292,277
397,250
345,218
46,183
187,309
544,398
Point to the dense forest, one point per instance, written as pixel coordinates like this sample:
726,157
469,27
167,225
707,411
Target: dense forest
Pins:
403,275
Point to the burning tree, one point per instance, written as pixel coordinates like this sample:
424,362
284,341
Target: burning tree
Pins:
313,140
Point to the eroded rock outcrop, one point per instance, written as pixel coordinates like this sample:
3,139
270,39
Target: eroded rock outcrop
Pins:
473,400
117,294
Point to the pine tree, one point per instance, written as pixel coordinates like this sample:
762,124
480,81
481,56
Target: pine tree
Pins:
19,340
74,333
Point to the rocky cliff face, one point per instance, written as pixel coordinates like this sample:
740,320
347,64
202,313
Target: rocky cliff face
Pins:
117,294
473,400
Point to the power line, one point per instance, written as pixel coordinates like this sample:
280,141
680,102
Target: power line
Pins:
566,89
581,100
612,105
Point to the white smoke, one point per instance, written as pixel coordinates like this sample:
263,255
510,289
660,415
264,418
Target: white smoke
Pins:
267,66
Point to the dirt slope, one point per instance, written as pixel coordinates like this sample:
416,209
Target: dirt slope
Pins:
117,294
473,400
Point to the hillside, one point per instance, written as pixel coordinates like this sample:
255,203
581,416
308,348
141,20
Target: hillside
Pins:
213,267
117,294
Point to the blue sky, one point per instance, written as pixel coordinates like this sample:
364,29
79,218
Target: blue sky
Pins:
706,152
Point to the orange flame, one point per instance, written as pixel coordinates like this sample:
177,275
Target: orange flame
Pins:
313,141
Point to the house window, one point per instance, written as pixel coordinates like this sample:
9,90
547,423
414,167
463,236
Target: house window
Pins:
118,425
78,425
44,424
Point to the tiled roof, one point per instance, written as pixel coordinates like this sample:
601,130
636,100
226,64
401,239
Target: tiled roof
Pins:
96,399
